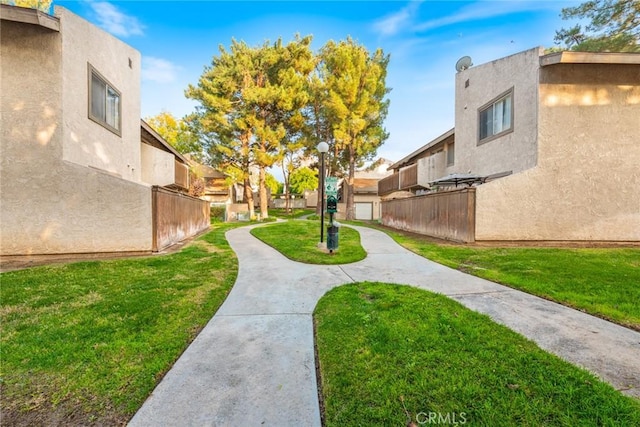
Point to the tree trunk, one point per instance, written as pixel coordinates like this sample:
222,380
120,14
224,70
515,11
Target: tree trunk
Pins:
285,176
264,202
248,196
321,176
352,171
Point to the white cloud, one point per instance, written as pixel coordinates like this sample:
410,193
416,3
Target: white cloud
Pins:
393,23
483,10
159,70
115,21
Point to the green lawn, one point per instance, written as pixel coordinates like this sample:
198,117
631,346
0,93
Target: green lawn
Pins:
602,282
392,354
87,342
298,240
294,213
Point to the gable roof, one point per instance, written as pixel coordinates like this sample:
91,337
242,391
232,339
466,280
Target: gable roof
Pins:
151,137
365,185
411,157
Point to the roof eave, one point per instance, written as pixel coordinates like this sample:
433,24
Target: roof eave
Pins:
162,141
27,15
568,57
422,149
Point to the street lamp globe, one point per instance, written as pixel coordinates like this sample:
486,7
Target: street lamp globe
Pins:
323,147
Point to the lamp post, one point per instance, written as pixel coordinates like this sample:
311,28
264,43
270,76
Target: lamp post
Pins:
323,147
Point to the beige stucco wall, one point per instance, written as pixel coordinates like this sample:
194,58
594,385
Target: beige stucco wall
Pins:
86,142
585,186
158,167
432,167
76,210
515,151
49,205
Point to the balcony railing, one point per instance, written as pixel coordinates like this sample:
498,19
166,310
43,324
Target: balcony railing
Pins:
415,176
409,177
181,175
389,184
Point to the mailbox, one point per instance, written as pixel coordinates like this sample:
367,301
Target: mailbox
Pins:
332,204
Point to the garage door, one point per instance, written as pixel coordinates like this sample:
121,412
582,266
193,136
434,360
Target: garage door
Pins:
364,211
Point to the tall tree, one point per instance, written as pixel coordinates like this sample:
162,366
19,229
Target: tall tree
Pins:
303,179
614,26
43,5
251,101
272,184
177,133
356,104
223,120
278,97
319,127
297,64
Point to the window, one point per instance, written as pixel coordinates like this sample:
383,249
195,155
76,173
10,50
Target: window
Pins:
451,154
104,102
496,117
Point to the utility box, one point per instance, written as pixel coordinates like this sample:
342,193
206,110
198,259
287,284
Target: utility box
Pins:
332,237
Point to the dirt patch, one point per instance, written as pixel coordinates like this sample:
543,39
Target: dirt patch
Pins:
206,246
63,414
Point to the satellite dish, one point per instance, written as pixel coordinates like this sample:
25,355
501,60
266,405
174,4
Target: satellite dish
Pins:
463,63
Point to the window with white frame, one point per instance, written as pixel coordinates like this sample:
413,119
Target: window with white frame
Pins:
104,102
496,117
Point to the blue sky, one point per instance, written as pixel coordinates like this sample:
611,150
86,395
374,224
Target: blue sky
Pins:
177,39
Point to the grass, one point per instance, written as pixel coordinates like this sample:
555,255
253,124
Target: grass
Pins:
298,240
295,213
601,282
87,342
390,355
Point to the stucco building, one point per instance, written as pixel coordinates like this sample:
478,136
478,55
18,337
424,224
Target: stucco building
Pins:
366,200
76,175
550,144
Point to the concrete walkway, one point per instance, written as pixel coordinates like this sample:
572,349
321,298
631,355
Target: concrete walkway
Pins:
253,364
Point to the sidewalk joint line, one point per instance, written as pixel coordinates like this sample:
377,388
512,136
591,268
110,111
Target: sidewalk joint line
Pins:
309,313
480,293
346,274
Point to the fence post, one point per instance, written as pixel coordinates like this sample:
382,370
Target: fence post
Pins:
154,218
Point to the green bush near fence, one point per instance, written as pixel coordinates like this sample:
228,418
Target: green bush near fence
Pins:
217,213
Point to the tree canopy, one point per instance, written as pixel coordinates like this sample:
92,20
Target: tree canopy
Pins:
303,179
43,5
270,104
272,184
177,133
614,26
355,84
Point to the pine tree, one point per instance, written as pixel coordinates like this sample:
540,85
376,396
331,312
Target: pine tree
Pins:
355,104
614,26
223,120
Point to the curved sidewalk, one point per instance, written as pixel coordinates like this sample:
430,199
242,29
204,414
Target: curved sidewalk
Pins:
254,364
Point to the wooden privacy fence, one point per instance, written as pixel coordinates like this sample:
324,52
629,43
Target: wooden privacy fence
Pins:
176,217
447,215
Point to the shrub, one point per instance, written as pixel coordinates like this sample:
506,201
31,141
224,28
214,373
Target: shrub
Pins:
217,213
